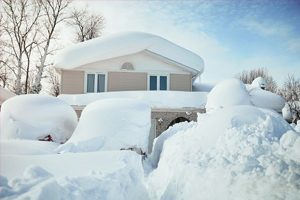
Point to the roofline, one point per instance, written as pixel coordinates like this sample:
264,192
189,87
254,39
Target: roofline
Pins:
195,72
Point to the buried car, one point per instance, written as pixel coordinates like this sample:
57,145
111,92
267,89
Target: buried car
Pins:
111,124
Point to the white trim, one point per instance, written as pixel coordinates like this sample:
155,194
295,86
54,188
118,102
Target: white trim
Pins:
158,75
96,81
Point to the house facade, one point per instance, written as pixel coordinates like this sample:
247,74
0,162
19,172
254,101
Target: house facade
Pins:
131,61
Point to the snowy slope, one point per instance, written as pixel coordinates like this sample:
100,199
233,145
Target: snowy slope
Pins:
238,152
122,44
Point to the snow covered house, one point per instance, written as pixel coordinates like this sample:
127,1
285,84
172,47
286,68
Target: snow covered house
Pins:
130,61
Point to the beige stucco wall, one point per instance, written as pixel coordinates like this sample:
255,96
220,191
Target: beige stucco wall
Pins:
180,82
72,82
126,81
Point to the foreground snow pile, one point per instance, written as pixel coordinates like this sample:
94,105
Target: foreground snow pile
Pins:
234,92
111,124
156,99
35,117
96,175
239,152
227,93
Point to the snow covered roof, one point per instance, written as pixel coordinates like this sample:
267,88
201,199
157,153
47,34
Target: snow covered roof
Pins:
122,44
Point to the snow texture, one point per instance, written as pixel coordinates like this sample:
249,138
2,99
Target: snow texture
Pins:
239,152
98,175
111,124
34,117
122,44
232,92
227,93
156,99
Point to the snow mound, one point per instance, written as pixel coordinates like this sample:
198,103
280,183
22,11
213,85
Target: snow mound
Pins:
234,92
111,124
265,99
156,99
239,152
229,92
122,44
259,82
98,175
35,117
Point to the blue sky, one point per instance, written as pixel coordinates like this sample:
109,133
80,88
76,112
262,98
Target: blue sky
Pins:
229,35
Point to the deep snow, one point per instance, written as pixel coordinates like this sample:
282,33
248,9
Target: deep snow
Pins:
156,99
35,117
111,124
239,152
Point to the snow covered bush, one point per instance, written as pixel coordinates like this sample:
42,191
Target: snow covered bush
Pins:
111,124
232,92
229,92
35,117
239,152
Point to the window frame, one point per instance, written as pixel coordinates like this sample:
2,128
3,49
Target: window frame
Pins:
158,82
95,83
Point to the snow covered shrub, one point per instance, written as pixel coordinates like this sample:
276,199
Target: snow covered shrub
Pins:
239,152
35,117
111,124
233,92
229,92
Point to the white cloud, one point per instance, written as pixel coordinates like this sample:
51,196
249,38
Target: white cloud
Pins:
294,45
266,27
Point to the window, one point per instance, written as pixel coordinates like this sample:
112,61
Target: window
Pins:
95,83
153,82
158,82
127,66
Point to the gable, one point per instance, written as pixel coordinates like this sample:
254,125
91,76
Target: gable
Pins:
142,62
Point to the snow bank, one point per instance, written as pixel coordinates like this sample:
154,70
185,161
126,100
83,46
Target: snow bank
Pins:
239,152
96,175
27,147
122,44
227,93
5,94
34,117
111,124
265,99
156,99
234,92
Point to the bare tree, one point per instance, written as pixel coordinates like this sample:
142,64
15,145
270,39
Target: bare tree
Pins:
19,26
54,14
248,77
290,91
87,24
53,80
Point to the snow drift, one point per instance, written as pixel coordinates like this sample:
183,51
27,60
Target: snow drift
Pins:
111,124
232,92
156,99
96,175
239,152
35,117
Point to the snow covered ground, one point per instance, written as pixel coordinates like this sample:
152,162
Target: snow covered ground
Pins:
235,151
